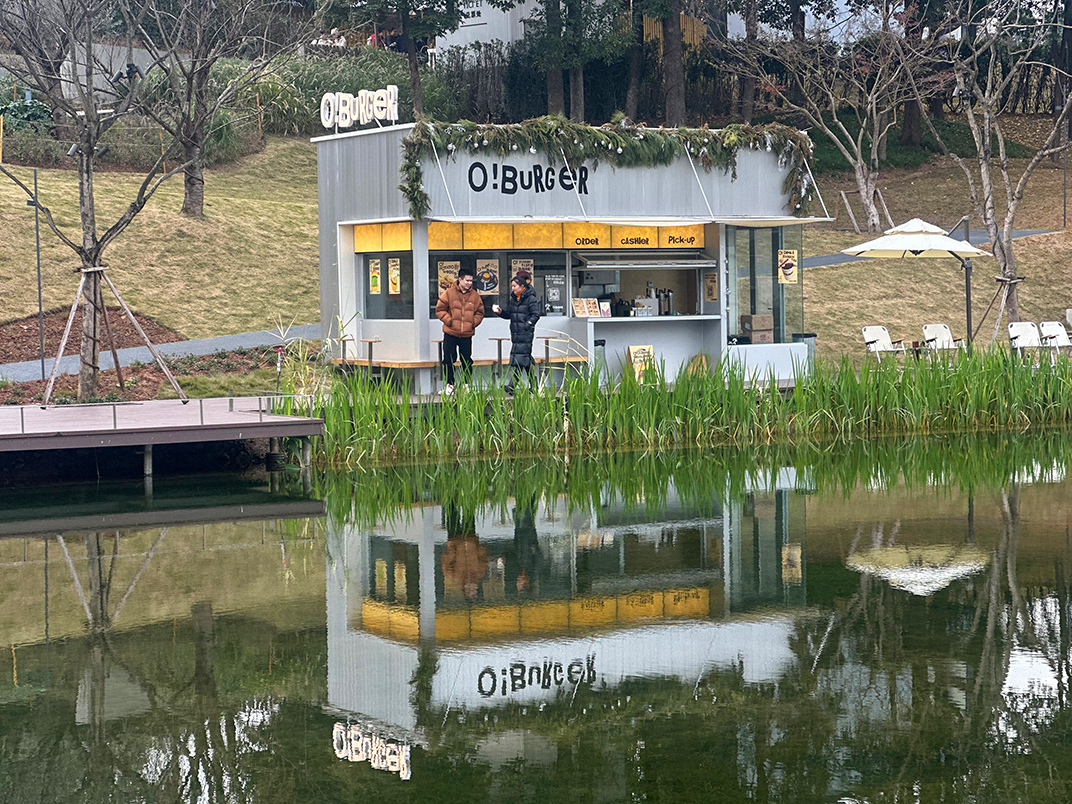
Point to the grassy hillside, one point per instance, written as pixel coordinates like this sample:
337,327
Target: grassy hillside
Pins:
251,263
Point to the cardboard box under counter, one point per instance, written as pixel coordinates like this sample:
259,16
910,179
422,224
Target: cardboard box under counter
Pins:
755,323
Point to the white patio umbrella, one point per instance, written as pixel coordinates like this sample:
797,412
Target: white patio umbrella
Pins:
917,238
919,569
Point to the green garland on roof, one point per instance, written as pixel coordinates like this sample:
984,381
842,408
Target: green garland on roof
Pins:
619,145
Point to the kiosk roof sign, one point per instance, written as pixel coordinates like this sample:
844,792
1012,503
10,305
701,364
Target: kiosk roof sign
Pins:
342,110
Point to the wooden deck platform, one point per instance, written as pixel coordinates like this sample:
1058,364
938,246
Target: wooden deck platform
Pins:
132,424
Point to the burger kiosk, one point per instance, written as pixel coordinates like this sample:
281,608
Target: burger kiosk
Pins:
676,257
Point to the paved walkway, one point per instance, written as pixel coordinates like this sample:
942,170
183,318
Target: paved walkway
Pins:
23,372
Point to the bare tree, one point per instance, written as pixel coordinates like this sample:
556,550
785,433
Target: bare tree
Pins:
186,40
851,92
985,62
95,85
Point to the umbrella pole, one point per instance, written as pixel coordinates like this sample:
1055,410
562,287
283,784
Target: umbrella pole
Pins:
967,299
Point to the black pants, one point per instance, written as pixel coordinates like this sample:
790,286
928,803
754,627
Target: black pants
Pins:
515,375
455,348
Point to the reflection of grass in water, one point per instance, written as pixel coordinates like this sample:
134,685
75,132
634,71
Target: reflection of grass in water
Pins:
983,393
704,480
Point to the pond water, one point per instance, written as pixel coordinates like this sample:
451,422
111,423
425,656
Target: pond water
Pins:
869,623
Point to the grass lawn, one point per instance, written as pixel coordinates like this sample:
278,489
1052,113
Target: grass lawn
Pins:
250,264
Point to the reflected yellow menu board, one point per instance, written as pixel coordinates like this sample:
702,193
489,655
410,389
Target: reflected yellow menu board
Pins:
394,276
374,277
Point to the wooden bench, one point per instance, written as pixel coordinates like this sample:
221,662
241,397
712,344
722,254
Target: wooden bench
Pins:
417,364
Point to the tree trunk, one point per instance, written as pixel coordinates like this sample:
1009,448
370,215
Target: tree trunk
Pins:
556,101
89,370
556,96
866,183
636,62
414,71
632,93
673,66
576,93
747,83
193,199
912,125
796,10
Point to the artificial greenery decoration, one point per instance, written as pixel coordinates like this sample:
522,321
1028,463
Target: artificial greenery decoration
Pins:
619,144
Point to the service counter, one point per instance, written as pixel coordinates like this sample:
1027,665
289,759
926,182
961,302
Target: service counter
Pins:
675,339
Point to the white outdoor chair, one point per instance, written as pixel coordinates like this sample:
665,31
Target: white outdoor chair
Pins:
938,337
878,342
1055,336
1024,335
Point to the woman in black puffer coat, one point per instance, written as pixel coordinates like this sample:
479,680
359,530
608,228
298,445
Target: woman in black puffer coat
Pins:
522,311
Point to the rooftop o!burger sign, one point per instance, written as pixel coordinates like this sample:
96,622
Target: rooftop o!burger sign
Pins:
342,110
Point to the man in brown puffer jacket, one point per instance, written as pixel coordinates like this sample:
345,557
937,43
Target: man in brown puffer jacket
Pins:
461,309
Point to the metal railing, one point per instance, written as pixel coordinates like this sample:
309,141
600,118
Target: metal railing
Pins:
264,407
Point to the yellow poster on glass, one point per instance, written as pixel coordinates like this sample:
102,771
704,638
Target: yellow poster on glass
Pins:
787,266
394,276
710,287
641,358
374,277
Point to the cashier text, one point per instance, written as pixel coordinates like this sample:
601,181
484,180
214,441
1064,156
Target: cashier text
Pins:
508,179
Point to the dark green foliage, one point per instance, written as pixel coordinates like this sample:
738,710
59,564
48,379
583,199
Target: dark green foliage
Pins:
26,115
957,136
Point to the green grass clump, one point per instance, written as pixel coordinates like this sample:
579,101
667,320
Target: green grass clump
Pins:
984,392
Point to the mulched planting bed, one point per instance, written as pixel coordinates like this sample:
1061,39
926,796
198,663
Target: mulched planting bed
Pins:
140,382
20,340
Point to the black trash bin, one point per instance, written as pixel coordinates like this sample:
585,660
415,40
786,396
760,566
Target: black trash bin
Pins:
809,339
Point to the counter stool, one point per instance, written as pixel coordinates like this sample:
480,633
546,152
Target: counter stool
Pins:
370,342
439,364
547,352
498,361
345,341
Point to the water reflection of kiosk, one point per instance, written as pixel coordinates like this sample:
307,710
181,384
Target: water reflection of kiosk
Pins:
692,253
566,600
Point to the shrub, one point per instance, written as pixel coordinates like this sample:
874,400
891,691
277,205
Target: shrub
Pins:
26,115
30,147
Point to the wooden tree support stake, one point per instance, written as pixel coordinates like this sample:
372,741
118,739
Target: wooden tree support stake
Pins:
63,340
156,355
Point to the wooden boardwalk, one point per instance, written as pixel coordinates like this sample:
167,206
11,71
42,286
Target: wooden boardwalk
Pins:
132,424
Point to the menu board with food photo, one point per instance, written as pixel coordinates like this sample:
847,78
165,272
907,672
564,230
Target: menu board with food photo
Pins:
374,277
579,308
448,273
522,265
592,307
394,276
787,266
486,281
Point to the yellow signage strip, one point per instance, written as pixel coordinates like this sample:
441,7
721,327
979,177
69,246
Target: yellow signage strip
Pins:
543,617
447,236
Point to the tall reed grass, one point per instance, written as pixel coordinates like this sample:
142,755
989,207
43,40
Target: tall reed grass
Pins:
980,393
